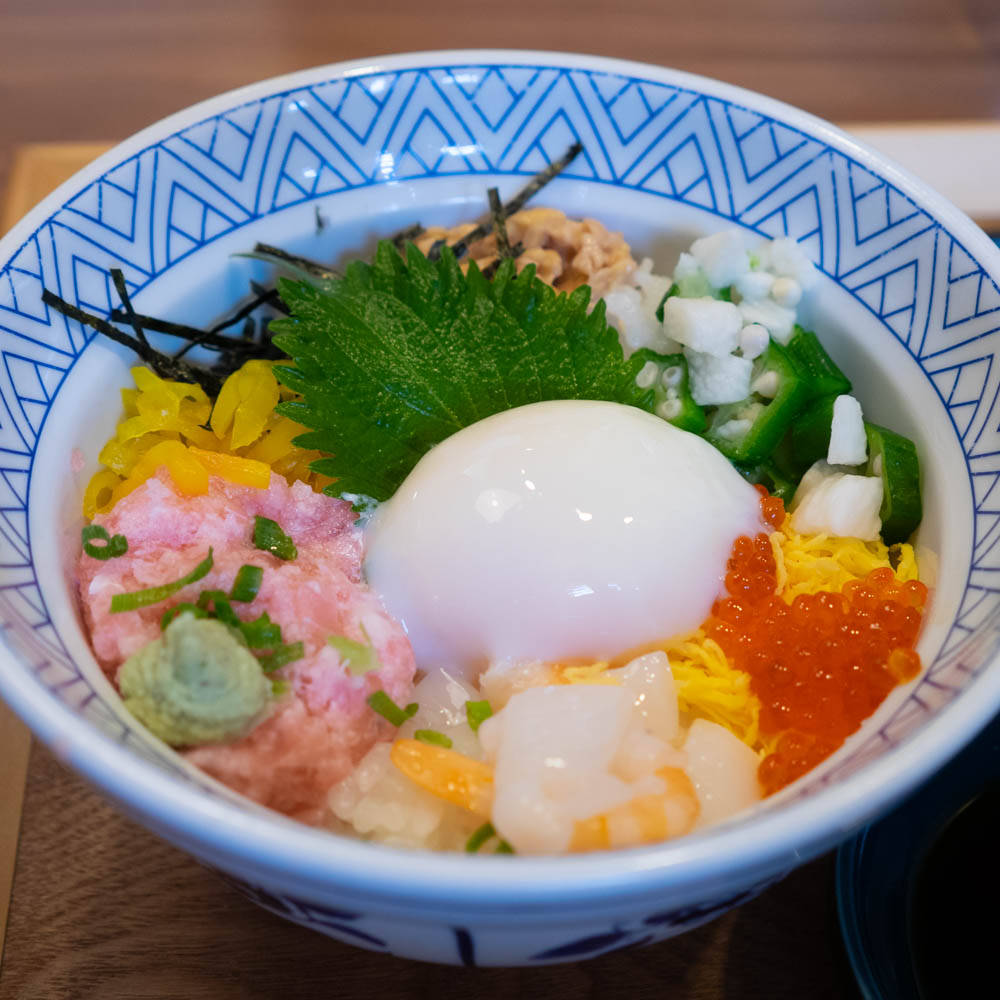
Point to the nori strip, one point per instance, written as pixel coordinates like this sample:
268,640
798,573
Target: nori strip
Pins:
164,365
499,223
491,269
118,279
303,263
407,235
518,201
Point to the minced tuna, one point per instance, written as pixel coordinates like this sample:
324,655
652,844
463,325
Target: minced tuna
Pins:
322,726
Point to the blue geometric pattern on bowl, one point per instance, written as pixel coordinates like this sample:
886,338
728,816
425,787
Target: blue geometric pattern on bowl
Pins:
179,194
469,948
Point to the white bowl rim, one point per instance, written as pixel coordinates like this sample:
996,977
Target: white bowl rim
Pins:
281,849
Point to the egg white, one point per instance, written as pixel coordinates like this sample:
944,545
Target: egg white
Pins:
562,529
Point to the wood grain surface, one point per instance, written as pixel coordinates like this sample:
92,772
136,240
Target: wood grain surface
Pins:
104,910
106,68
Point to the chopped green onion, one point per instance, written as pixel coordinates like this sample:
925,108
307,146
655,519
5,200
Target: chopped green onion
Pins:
216,603
178,609
389,710
279,657
477,712
359,657
261,633
153,595
113,546
504,848
479,837
433,737
280,687
246,586
268,536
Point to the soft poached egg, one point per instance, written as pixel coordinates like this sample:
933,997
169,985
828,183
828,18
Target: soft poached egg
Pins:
557,530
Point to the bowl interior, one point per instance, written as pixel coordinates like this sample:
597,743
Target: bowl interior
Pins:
325,163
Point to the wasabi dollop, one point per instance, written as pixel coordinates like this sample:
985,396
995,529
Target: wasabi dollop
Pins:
196,684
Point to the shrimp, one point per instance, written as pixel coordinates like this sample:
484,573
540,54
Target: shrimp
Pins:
646,819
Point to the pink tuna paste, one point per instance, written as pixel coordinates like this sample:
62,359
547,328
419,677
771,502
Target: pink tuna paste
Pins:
320,729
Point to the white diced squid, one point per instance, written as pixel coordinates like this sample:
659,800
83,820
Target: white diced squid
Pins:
652,287
502,679
715,380
553,749
830,501
442,698
722,257
650,682
848,442
722,769
706,325
784,258
778,320
754,285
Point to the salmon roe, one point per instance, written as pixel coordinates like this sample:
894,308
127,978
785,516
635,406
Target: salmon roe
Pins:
820,665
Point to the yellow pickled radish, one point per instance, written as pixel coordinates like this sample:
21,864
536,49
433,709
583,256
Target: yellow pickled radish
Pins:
259,395
129,402
236,469
225,407
189,475
121,455
246,401
147,381
244,440
447,774
100,490
276,443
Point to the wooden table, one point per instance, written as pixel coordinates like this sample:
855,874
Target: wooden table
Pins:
99,907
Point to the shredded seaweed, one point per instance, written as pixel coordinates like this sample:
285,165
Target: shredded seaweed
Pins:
311,267
254,340
118,279
489,272
162,364
499,223
515,204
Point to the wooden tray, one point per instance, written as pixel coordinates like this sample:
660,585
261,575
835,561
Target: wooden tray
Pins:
99,908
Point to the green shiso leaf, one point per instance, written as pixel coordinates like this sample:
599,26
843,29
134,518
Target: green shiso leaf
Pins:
396,355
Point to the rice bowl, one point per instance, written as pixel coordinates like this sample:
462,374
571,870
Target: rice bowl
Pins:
677,885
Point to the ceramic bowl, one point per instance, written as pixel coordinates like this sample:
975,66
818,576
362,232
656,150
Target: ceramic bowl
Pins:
324,161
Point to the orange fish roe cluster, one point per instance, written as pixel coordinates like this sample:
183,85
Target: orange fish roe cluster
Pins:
820,665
